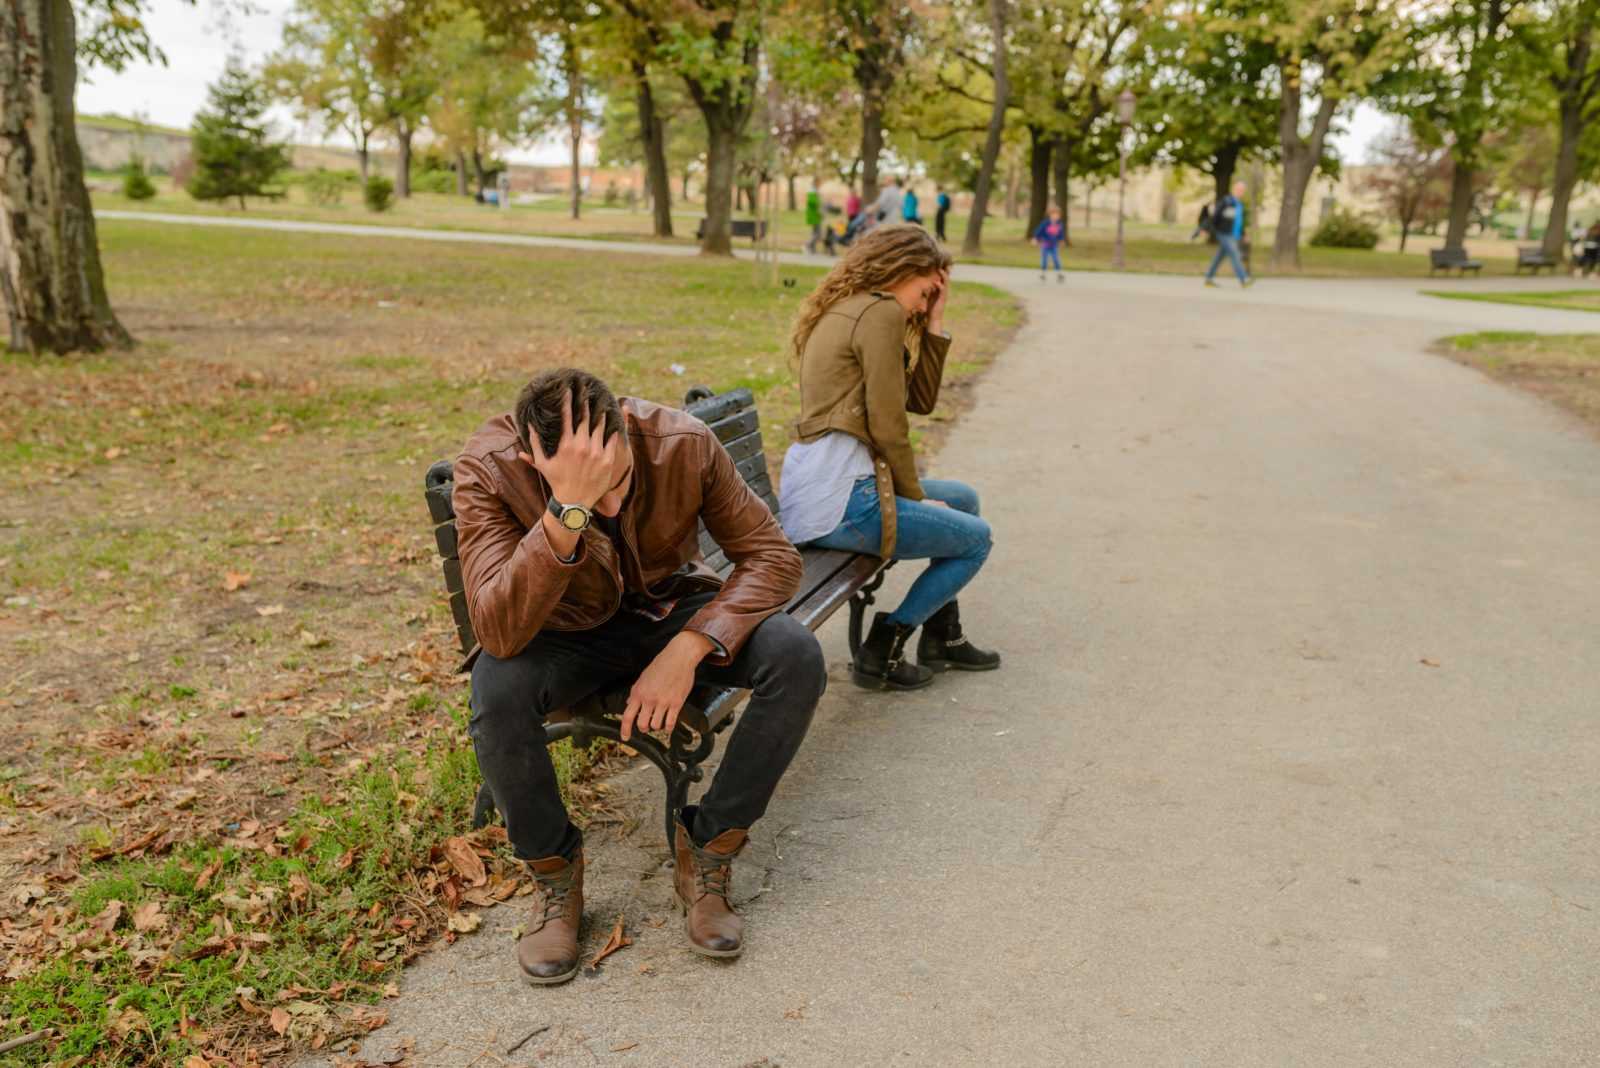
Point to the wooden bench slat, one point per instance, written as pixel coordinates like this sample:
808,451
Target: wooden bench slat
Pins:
444,536
836,591
722,405
737,425
752,467
740,448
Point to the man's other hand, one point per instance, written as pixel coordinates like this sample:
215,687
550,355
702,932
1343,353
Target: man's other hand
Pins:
658,695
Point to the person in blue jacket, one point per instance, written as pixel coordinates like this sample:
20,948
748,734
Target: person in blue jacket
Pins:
1052,231
908,206
1227,223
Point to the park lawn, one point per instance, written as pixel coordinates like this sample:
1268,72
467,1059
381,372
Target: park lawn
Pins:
1567,299
1150,247
236,781
1562,368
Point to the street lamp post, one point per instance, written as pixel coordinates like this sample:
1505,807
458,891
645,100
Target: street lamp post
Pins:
1125,102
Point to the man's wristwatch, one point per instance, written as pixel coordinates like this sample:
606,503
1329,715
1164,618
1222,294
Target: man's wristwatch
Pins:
574,517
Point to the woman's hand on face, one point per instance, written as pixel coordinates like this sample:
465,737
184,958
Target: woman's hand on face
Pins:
936,305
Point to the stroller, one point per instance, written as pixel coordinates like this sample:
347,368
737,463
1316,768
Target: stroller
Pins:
835,238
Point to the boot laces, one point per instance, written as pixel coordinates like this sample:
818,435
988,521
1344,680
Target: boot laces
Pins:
553,891
712,875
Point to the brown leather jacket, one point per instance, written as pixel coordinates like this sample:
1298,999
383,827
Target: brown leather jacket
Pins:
854,378
516,586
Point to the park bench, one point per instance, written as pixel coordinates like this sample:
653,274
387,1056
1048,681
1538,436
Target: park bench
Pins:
754,229
1534,258
1452,259
831,578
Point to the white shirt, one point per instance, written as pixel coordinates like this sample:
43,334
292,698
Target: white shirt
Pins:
816,484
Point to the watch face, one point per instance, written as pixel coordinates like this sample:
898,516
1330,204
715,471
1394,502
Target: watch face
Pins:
574,518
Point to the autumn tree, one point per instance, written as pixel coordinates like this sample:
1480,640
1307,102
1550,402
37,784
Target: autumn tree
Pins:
51,280
1559,38
1411,177
987,28
326,68
1328,53
1210,92
874,35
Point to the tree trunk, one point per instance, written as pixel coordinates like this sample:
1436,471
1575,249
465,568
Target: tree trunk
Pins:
1300,156
1088,205
871,143
1455,233
718,240
363,157
1013,191
686,185
50,278
1039,149
972,243
655,154
792,206
1405,232
402,166
1533,204
574,75
461,174
1566,177
1222,169
1061,160
477,169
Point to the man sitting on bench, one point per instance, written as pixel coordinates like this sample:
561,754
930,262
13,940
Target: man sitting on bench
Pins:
577,521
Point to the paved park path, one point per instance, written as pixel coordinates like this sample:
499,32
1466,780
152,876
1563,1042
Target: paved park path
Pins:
1292,761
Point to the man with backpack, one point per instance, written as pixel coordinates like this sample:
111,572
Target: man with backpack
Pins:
1227,224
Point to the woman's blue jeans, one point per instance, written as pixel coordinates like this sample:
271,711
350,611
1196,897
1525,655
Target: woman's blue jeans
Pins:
1048,254
954,538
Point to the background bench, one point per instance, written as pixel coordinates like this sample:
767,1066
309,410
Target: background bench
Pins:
1534,259
831,579
754,229
1448,259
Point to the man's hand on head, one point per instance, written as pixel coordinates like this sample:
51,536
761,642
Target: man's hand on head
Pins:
583,467
660,691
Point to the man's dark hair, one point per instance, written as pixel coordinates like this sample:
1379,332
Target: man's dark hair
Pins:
539,406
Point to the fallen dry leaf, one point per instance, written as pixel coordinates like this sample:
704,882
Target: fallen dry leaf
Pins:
269,610
149,917
311,640
280,1020
625,1047
614,943
1429,663
207,873
465,861
236,580
464,922
114,452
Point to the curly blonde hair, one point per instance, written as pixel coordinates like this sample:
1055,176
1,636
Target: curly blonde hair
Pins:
880,259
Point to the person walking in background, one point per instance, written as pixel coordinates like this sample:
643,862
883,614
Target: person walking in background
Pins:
852,206
908,207
1052,231
814,219
888,206
943,202
1227,222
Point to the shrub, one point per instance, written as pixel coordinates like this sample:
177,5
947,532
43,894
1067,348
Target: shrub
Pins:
379,193
136,183
1345,229
432,181
326,187
234,156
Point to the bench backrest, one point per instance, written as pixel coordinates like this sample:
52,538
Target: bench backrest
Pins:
1441,257
731,416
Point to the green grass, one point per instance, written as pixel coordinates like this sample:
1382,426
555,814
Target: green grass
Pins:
1567,299
1563,369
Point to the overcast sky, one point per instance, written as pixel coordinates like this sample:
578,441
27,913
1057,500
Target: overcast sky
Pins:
197,39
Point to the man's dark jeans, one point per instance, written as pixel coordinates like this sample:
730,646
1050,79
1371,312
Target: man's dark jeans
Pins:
781,664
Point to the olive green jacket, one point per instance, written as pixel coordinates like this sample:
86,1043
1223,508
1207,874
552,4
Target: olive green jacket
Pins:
858,376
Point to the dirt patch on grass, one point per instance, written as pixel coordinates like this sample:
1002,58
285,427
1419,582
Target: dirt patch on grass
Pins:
1564,369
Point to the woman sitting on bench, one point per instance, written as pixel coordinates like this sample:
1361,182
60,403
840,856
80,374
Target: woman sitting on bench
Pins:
872,345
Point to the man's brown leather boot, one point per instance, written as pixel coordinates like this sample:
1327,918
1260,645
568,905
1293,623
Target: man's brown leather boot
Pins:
702,879
548,952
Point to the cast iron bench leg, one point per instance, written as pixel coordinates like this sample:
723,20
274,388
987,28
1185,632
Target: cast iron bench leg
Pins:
858,608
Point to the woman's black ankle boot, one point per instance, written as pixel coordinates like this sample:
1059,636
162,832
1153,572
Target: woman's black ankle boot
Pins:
881,663
943,647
